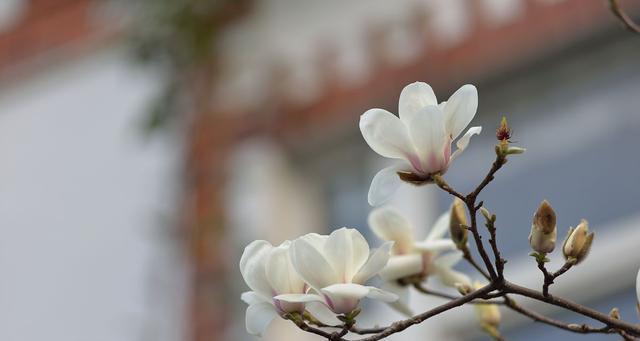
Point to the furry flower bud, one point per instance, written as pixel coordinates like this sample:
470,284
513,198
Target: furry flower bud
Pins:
457,224
543,230
578,243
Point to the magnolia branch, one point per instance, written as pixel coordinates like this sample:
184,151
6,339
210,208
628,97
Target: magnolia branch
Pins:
481,300
621,325
466,255
572,327
613,325
499,289
470,201
404,324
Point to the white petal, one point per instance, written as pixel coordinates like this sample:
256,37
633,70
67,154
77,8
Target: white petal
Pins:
463,142
460,109
311,265
251,297
450,277
258,317
402,266
437,245
440,227
252,266
388,224
381,295
402,304
321,312
428,135
299,298
376,262
413,98
448,260
346,290
347,251
386,134
638,286
316,240
280,272
384,184
344,297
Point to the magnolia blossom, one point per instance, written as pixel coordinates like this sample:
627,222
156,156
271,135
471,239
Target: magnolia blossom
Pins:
421,136
268,271
337,267
415,259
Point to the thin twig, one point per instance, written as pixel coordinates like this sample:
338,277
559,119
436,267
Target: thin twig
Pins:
499,261
497,164
549,278
470,201
404,324
630,328
582,329
466,255
439,180
307,328
426,291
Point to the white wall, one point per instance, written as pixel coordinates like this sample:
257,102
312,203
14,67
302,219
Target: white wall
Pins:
85,251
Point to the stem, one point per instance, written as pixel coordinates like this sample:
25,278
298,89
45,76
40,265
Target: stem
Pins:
470,201
404,324
426,291
466,254
549,278
439,180
497,164
491,227
582,329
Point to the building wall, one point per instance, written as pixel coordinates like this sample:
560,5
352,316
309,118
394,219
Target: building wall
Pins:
86,207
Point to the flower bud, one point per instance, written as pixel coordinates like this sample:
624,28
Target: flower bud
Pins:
578,243
543,230
463,288
503,133
615,313
458,223
486,214
488,314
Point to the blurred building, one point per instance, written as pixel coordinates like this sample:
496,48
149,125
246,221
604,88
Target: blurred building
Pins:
271,149
87,203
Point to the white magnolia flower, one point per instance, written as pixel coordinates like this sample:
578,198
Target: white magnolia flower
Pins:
268,271
336,267
421,136
417,259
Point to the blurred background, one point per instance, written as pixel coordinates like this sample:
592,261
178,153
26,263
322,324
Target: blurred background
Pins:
144,143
